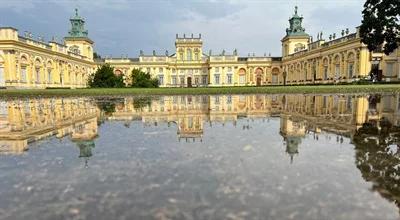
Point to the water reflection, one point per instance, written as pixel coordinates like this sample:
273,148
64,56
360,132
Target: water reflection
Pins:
370,123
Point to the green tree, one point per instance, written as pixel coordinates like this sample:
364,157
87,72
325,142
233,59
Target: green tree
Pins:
105,78
380,25
141,79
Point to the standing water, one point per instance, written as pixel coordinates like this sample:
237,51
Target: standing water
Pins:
201,157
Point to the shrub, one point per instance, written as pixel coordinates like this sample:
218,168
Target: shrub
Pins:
105,78
141,79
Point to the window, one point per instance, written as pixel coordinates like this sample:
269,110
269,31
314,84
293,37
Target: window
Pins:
182,80
216,78
174,80
49,75
351,70
325,72
337,70
189,54
23,74
160,79
196,56
229,79
242,79
196,80
37,70
216,101
274,78
389,69
229,99
204,80
181,55
173,70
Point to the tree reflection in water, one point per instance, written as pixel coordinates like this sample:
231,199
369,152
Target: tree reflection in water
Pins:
378,158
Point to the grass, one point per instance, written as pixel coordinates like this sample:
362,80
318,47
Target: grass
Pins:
319,89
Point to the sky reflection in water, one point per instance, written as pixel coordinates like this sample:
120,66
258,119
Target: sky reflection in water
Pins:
200,157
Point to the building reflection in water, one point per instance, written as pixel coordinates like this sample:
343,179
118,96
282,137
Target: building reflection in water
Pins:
25,121
370,122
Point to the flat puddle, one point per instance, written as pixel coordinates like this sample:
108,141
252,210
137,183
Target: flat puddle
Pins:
201,157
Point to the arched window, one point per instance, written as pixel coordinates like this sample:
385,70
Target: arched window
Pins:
38,65
24,66
49,71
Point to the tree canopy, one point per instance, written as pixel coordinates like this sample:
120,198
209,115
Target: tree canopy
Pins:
380,25
105,78
141,79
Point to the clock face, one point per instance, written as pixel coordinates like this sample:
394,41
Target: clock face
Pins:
296,22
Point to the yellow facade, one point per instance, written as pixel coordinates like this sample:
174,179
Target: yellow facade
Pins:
29,63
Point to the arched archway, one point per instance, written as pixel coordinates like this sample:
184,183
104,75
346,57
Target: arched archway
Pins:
259,74
242,76
275,75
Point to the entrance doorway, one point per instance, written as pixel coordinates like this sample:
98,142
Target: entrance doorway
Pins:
189,82
259,80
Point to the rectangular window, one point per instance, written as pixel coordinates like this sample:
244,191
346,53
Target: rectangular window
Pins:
182,78
216,79
216,100
174,81
274,79
229,79
204,80
351,70
325,72
49,75
242,79
229,99
23,74
196,80
389,69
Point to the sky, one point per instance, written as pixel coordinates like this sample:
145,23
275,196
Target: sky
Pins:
124,27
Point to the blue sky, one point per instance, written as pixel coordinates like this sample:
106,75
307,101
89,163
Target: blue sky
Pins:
124,27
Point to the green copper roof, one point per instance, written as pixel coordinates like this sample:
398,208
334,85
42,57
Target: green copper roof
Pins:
296,28
77,26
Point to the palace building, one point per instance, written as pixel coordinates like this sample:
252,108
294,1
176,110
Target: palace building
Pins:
26,62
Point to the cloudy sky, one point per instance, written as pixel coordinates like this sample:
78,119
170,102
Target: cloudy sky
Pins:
123,27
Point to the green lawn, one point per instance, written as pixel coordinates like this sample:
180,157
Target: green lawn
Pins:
199,91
